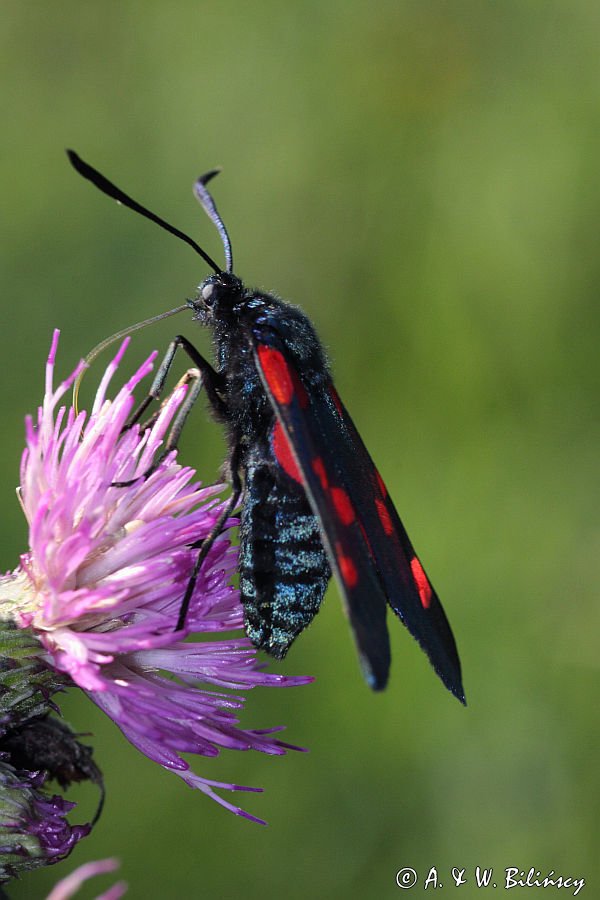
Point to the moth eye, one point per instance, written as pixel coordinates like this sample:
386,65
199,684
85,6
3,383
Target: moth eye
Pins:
207,293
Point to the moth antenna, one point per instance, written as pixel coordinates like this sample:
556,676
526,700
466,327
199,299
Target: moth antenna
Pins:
97,350
107,187
209,207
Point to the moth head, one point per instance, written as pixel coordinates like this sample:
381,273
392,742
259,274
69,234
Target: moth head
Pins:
216,297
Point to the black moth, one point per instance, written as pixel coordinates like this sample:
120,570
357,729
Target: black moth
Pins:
312,500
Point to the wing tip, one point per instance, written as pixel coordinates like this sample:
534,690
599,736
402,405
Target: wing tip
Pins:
376,673
455,687
460,696
376,684
376,676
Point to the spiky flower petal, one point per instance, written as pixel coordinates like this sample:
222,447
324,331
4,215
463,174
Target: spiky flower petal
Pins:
69,886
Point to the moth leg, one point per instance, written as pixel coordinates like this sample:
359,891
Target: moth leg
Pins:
212,381
202,376
205,545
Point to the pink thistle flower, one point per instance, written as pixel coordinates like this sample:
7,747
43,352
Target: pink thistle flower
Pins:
106,571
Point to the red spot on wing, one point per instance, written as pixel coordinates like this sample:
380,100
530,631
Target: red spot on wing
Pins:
348,570
381,484
423,586
278,374
319,470
339,497
343,506
384,516
283,453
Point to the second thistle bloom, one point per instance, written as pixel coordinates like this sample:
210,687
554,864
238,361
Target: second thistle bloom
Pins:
108,565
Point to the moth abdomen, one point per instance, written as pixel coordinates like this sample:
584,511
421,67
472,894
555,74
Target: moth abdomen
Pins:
284,570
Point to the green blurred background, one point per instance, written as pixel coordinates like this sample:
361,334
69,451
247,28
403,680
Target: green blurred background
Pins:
423,178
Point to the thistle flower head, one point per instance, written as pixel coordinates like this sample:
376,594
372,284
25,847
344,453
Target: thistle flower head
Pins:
108,566
34,829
